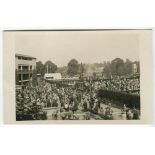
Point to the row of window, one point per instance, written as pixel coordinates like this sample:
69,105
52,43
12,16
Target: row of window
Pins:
24,68
24,76
24,58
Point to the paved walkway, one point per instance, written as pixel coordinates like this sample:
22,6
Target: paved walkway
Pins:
116,113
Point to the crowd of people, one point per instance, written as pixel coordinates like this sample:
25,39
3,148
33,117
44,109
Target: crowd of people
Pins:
32,100
130,114
45,95
127,85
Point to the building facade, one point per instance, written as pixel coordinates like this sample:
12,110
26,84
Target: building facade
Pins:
25,65
136,68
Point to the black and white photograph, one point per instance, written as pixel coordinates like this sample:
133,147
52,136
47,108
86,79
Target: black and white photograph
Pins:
77,75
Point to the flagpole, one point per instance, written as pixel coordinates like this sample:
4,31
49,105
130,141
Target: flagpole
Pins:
47,68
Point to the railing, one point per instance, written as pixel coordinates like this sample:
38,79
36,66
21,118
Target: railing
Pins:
24,71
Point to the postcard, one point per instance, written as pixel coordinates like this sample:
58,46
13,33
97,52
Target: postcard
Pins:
78,77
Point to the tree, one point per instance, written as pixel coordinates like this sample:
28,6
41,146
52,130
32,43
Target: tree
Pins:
50,67
73,67
107,69
40,69
117,66
63,71
34,78
128,67
81,70
94,75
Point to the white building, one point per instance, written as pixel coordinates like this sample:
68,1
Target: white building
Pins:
134,68
24,67
52,76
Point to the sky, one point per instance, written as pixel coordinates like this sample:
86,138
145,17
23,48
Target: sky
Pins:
85,46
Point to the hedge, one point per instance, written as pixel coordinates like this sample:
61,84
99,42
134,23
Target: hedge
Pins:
120,98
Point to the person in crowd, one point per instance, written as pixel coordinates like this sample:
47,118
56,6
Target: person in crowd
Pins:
129,114
108,112
123,112
135,114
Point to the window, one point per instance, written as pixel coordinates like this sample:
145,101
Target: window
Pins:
19,76
19,67
25,76
30,67
25,58
25,67
19,58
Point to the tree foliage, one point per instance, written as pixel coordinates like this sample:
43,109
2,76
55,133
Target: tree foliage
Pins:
62,70
118,67
42,68
73,67
34,78
50,66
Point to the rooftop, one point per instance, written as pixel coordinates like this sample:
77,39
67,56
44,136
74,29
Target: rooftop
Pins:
26,56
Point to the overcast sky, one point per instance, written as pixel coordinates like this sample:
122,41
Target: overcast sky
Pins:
85,46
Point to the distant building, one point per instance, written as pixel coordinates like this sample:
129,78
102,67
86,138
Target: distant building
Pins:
24,68
134,68
96,73
52,76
